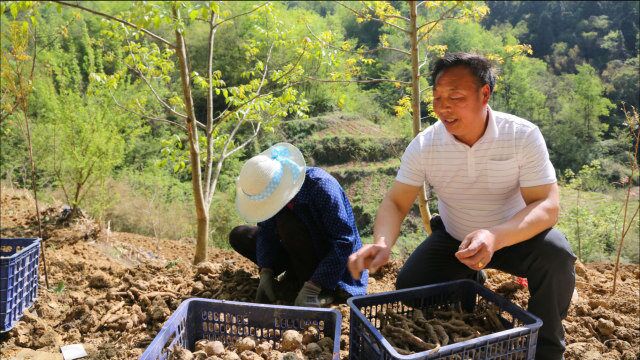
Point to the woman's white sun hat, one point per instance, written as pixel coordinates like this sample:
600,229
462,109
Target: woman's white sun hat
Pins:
268,181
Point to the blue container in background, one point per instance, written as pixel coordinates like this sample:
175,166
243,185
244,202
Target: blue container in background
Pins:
228,321
366,342
18,278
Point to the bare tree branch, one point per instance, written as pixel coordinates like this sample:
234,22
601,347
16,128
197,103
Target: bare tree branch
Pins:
155,93
226,154
360,81
209,130
236,16
374,18
157,37
292,67
158,97
244,144
237,127
434,23
258,92
148,117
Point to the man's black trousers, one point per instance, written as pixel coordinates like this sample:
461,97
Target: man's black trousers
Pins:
546,260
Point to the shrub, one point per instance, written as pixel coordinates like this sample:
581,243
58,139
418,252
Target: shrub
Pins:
341,149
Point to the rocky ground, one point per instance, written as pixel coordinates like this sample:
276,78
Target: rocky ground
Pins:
112,292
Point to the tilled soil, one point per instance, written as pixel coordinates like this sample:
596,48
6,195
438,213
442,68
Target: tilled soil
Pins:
112,291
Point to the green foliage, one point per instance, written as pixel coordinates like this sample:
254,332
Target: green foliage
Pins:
595,221
589,178
80,148
14,161
223,219
59,288
622,86
341,149
295,130
172,263
575,134
597,235
595,30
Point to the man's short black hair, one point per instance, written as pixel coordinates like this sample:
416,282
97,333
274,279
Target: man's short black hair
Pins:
478,64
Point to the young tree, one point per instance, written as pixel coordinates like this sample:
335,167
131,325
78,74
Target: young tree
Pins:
265,98
630,183
17,70
80,148
412,26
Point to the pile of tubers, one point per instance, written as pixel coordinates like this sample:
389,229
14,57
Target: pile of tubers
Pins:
412,332
293,346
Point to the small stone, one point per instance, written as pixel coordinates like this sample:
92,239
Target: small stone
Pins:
50,338
208,268
247,343
263,348
230,355
344,341
99,280
197,287
214,348
605,327
199,355
291,340
249,355
73,336
274,355
326,343
310,335
312,348
581,270
180,353
291,356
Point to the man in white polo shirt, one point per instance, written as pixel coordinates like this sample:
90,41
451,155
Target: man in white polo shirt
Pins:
497,198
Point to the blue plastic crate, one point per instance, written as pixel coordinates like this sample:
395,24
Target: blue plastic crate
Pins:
518,341
228,321
18,278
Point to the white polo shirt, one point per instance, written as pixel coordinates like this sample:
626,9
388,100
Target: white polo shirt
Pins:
479,186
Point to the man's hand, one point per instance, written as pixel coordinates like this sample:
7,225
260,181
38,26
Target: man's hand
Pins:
265,293
308,295
477,248
371,256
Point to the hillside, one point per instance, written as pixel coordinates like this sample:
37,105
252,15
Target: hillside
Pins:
113,291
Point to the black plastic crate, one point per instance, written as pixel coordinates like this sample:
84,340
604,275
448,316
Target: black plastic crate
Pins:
228,321
518,341
18,278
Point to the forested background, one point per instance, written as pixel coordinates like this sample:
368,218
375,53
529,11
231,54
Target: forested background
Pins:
105,143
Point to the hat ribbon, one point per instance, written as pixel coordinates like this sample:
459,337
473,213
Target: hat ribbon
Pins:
280,154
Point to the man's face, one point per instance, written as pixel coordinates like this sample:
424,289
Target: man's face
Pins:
460,103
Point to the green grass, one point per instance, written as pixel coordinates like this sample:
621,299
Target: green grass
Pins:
593,225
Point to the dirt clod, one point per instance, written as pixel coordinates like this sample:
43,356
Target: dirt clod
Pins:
606,327
148,278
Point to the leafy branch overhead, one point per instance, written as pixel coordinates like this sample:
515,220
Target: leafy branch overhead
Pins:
236,111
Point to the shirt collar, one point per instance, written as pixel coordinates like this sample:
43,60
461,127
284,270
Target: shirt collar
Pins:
491,132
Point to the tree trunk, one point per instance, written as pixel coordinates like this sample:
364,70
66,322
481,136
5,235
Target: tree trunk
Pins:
202,238
202,213
415,105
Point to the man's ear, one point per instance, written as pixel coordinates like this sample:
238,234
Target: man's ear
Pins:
486,94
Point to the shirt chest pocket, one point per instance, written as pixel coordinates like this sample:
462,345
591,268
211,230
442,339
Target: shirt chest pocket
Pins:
502,175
